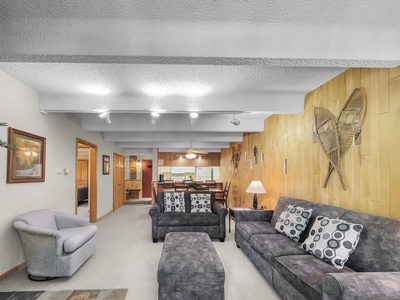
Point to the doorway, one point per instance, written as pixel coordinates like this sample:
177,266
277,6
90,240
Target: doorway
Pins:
147,177
86,178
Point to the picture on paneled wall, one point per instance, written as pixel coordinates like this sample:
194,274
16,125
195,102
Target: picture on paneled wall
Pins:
337,134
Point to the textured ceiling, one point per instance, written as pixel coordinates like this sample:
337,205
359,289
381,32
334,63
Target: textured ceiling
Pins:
218,58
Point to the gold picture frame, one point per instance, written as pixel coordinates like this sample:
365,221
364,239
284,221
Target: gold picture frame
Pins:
27,161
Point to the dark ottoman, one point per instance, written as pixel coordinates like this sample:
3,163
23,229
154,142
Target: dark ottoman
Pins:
190,268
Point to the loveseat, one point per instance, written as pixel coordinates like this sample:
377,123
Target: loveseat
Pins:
372,270
187,212
55,244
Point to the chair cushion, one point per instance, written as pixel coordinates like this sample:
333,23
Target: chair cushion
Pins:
247,229
333,240
203,219
293,221
174,202
305,273
200,203
270,246
173,219
76,237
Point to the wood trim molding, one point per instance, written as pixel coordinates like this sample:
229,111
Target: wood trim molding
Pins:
105,215
13,271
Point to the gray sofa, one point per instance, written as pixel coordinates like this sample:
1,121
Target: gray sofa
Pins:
212,222
55,244
371,272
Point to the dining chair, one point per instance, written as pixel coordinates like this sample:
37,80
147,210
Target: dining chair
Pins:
224,198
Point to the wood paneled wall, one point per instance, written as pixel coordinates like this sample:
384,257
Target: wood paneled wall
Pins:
172,159
371,170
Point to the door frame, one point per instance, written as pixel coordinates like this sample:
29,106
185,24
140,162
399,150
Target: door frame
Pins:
92,182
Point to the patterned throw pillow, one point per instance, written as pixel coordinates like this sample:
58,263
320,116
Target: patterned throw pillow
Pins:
174,202
200,203
292,221
332,240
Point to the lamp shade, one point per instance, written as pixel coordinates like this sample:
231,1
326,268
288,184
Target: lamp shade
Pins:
256,187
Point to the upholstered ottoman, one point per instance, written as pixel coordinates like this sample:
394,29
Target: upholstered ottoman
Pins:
190,268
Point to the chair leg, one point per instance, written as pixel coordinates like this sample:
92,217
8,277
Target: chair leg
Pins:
40,279
222,240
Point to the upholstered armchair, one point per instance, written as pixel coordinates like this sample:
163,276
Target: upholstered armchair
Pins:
55,244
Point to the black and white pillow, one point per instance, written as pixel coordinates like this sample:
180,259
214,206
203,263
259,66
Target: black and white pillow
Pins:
292,221
174,202
332,240
200,203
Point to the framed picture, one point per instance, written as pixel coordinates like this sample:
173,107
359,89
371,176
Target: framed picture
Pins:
26,163
106,165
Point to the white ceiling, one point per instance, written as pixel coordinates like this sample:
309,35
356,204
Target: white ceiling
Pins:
218,58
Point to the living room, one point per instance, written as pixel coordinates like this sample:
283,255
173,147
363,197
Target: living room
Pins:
288,162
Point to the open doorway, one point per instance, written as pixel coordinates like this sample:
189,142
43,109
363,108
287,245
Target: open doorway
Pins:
86,180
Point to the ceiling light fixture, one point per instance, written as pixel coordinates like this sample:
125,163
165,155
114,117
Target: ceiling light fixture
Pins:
105,115
190,155
193,117
154,117
235,121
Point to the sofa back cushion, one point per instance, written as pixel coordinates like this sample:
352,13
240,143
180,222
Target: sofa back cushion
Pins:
42,218
378,248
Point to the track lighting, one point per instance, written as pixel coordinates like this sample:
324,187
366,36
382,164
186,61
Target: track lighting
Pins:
193,117
154,117
235,121
105,115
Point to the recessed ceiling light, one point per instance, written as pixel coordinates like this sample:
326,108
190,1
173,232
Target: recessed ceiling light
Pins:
155,114
187,89
95,89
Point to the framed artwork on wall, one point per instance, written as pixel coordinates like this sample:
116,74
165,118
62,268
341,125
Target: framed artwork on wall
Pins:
106,165
27,162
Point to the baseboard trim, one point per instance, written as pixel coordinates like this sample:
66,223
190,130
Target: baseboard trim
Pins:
13,270
103,216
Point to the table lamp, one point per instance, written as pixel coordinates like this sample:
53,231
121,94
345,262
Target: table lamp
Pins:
256,187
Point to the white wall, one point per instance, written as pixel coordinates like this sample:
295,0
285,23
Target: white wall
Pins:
19,108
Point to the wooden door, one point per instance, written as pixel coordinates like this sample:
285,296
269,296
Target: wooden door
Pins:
119,181
82,173
147,176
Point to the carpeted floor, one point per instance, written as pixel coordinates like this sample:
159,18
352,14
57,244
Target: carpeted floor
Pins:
114,294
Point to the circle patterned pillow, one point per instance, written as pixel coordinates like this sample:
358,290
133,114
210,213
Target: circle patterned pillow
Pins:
332,240
174,202
200,203
292,221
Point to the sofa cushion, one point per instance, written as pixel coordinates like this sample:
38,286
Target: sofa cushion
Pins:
270,246
174,202
247,229
76,237
200,203
203,219
305,273
173,219
293,221
333,240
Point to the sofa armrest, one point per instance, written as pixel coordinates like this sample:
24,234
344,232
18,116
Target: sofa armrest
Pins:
219,210
363,285
64,220
253,215
155,210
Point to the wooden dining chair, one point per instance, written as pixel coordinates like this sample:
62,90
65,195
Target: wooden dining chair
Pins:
224,198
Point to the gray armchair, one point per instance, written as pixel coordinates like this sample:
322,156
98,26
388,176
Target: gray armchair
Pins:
54,244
